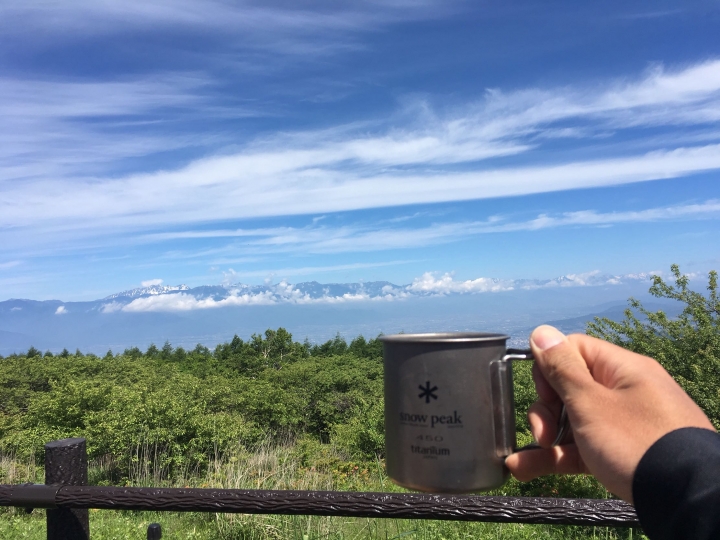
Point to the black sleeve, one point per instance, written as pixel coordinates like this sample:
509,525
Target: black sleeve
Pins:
676,487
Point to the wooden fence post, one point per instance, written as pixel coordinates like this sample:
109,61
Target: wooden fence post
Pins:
66,463
154,532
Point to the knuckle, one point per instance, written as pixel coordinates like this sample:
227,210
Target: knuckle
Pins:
560,363
564,363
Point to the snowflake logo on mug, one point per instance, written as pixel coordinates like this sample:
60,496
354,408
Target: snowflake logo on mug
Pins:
427,392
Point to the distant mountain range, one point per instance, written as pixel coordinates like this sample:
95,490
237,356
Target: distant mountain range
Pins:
160,298
213,313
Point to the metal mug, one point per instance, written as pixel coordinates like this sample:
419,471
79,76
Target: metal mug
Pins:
450,410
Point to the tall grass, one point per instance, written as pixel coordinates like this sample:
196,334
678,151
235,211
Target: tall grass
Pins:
14,470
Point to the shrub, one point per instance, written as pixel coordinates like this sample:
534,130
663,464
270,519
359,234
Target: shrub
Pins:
688,346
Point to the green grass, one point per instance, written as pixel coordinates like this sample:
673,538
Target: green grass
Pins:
118,525
300,465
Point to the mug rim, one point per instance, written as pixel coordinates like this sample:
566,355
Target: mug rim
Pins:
444,337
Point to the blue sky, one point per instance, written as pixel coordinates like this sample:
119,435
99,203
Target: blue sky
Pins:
221,142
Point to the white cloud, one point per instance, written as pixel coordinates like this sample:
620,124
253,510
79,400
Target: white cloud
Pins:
196,194
428,283
151,282
707,209
61,310
349,168
443,284
9,264
283,293
111,307
186,302
51,128
76,127
379,236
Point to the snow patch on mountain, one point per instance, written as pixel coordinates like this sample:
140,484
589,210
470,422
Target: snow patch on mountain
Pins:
153,290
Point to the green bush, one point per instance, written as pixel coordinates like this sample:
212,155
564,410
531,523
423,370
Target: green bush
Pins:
362,435
185,407
688,346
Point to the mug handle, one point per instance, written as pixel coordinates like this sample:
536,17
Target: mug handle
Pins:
500,381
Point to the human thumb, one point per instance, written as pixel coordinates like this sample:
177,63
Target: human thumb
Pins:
560,362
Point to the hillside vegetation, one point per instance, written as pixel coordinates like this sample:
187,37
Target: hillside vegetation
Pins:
271,412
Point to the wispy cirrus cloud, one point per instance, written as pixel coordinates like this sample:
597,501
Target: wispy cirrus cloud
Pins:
319,238
60,128
231,276
432,157
652,14
196,194
297,29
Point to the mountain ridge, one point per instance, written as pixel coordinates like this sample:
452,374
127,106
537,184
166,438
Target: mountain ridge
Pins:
427,285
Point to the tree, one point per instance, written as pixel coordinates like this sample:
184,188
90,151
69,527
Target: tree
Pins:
33,352
133,352
688,346
166,351
362,348
276,347
179,355
202,350
358,346
228,353
236,345
333,347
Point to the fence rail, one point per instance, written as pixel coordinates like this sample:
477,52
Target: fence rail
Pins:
68,499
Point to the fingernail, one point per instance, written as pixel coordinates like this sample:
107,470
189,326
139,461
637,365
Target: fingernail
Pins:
544,337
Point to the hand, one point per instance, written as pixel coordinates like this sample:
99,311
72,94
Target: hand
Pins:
618,403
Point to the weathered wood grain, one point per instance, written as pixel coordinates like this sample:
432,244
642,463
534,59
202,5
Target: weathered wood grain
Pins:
604,512
66,463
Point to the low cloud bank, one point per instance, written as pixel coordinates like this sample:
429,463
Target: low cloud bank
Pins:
182,298
428,283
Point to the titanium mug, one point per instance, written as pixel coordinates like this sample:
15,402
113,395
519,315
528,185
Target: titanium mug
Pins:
450,410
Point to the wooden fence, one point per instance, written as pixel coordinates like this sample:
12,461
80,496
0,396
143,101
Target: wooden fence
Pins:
67,498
